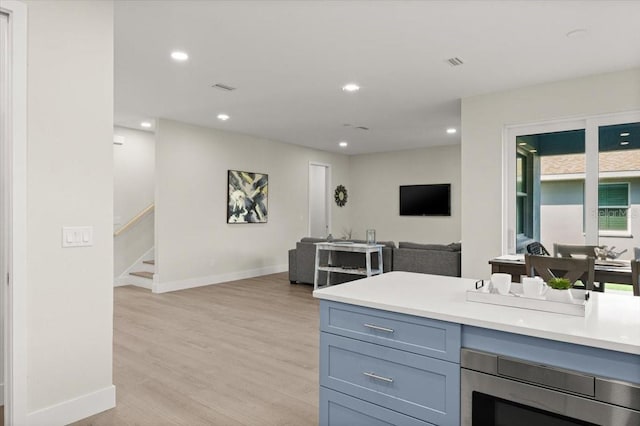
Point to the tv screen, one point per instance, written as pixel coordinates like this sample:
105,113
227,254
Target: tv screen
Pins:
425,200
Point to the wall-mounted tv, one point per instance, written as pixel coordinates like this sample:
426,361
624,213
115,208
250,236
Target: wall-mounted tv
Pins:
425,200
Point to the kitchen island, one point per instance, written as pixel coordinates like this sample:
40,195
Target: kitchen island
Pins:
391,347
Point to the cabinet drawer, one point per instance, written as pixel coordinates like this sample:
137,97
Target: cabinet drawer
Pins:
438,339
338,409
416,385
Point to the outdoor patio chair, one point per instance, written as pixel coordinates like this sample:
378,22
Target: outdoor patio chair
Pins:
537,249
573,250
573,269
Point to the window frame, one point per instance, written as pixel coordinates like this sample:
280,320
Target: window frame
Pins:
612,232
590,124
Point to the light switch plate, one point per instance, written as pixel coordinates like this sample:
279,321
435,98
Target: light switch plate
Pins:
77,236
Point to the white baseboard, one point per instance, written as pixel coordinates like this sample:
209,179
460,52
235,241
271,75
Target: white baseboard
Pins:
133,280
74,409
160,287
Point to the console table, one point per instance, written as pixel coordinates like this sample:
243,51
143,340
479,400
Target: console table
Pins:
366,249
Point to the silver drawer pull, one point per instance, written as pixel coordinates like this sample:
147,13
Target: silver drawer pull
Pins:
375,376
377,327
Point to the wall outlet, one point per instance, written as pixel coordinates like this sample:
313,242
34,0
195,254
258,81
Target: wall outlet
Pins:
77,236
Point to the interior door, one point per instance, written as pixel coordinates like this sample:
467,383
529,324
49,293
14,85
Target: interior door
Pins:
319,207
5,199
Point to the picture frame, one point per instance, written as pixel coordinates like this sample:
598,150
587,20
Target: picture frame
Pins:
247,197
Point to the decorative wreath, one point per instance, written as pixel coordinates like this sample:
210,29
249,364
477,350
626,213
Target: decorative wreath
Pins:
340,195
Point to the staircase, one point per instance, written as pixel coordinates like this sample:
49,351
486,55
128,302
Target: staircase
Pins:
140,273
143,278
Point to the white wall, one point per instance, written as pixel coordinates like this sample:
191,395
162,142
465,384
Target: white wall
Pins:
194,244
134,190
69,182
318,201
483,120
374,194
562,210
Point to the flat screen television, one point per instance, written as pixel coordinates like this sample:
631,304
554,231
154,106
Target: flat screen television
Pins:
425,200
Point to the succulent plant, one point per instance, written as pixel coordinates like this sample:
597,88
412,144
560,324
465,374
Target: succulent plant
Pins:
559,283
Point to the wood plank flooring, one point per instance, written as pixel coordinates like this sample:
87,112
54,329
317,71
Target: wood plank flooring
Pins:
240,353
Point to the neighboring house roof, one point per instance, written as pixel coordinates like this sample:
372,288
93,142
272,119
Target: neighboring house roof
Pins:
611,161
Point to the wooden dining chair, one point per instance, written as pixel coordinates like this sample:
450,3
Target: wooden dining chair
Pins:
635,276
573,250
579,251
573,269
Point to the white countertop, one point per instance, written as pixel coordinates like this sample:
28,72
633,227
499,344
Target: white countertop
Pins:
613,322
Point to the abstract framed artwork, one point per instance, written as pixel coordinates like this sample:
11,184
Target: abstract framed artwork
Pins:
247,197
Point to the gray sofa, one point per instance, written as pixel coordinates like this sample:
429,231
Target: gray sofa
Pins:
302,261
437,259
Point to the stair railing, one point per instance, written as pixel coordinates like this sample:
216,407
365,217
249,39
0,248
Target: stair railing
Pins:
135,219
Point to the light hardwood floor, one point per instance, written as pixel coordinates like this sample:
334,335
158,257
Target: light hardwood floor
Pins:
240,353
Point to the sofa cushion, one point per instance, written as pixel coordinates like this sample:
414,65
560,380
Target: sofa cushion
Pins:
455,246
440,247
389,244
437,262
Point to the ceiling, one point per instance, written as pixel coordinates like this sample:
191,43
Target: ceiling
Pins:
288,61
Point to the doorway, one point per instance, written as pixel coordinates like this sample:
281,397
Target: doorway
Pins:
13,211
319,205
5,199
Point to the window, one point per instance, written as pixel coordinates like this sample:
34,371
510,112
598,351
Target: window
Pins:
613,207
521,192
573,182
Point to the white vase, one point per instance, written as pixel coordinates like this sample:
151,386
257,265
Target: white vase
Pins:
563,296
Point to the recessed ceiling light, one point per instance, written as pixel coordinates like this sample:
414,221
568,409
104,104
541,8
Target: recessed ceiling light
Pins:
351,87
533,150
624,143
145,124
451,130
179,56
577,33
223,117
343,144
522,143
624,134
